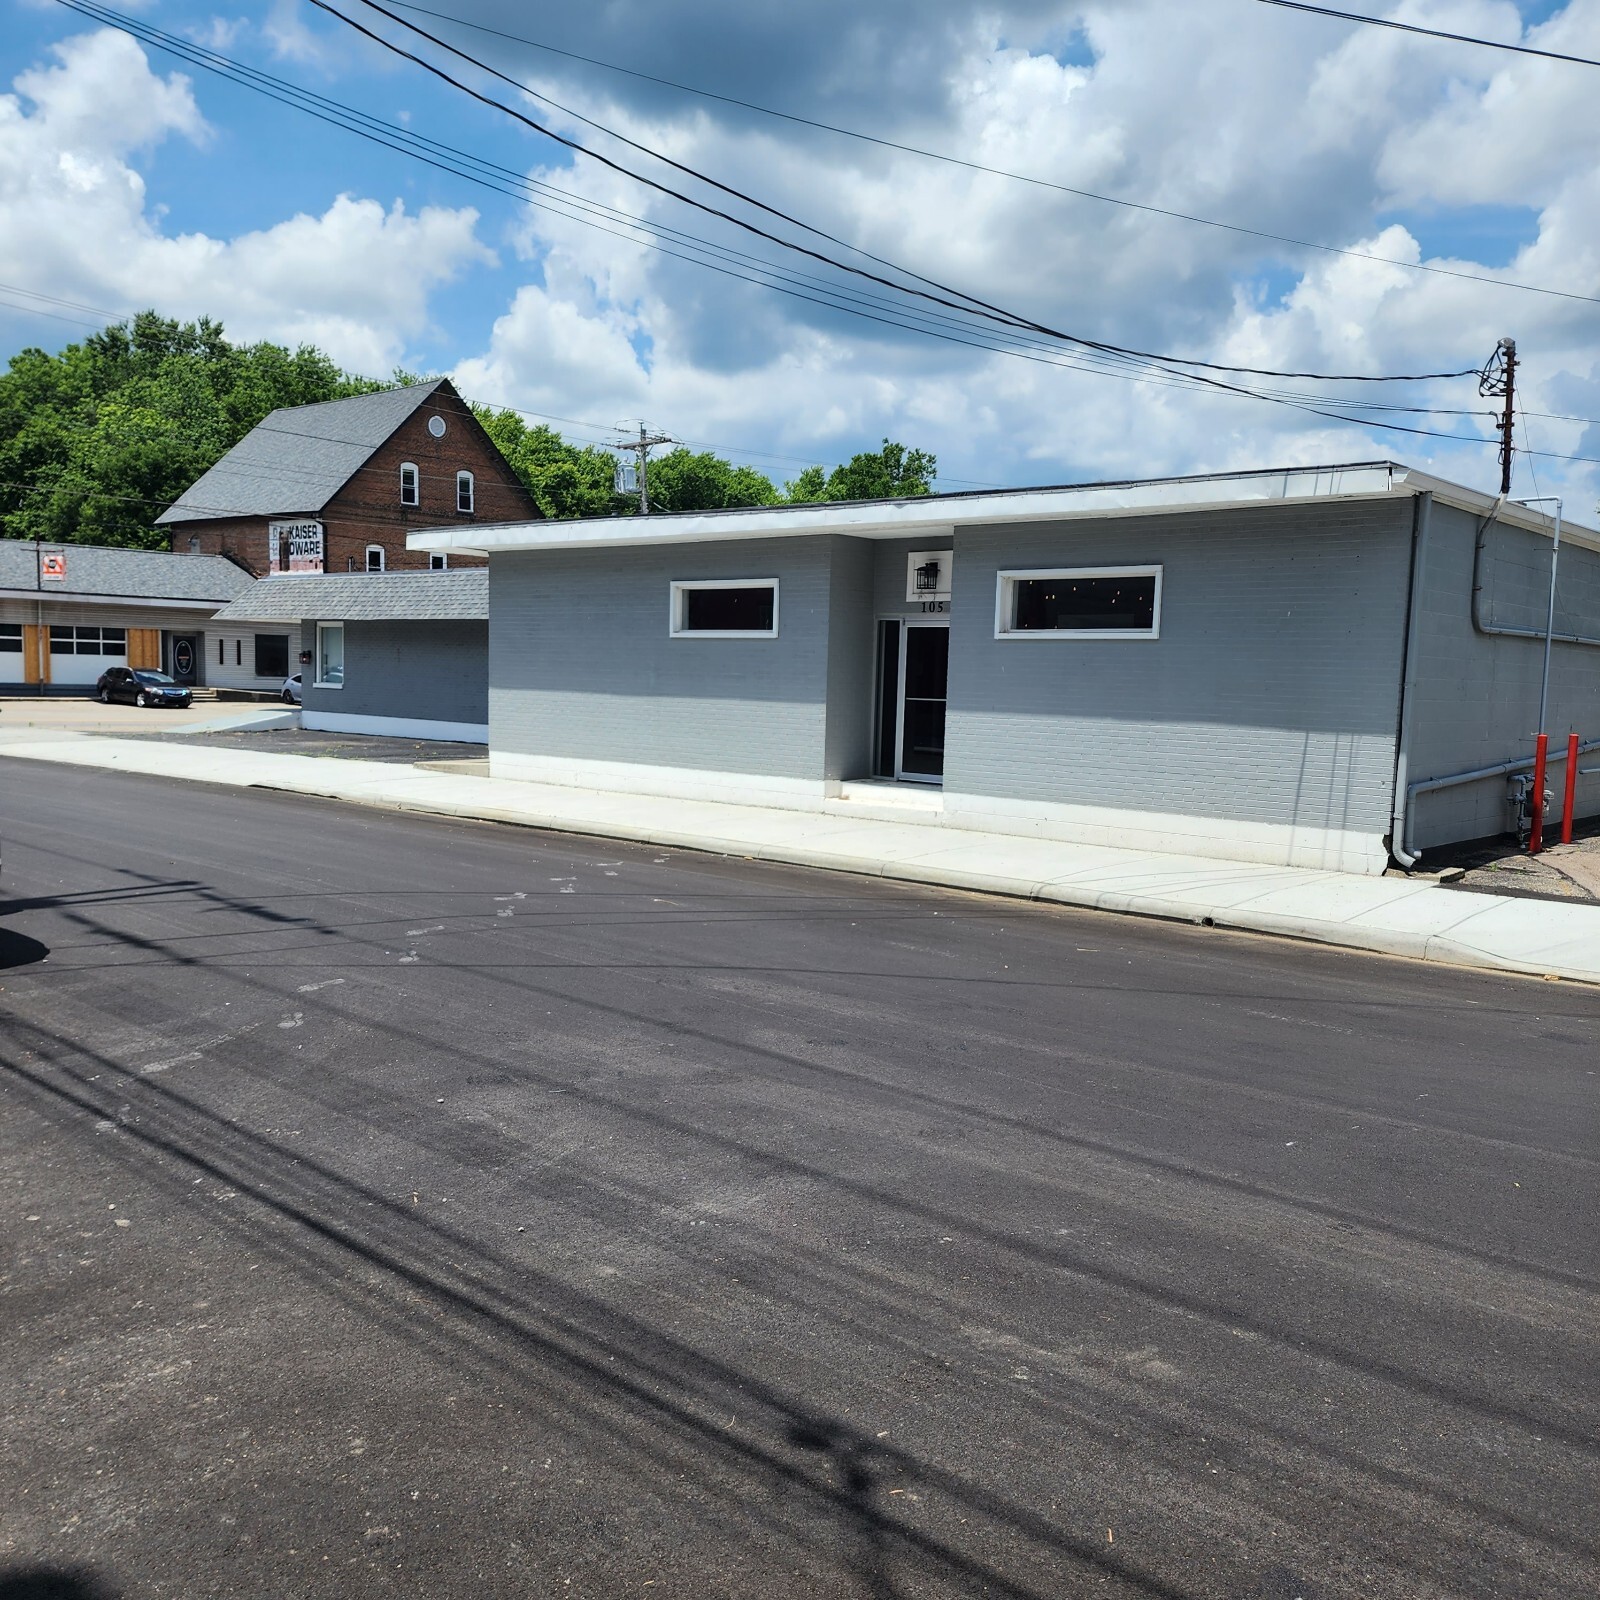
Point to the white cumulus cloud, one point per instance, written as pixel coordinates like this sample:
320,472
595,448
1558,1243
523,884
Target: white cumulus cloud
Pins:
76,222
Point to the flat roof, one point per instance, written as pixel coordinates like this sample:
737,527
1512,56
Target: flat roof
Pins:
929,516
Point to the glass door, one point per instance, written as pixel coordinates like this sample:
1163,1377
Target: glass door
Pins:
924,673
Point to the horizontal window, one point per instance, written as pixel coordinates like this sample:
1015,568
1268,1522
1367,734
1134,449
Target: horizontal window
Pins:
1079,603
725,608
88,641
11,637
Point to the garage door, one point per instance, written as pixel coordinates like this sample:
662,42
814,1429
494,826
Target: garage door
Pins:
80,655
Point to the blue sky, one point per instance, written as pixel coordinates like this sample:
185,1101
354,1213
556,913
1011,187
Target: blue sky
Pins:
1468,160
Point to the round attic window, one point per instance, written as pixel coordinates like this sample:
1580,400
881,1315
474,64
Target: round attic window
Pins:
436,427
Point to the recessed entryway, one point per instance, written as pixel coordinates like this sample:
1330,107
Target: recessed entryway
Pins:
913,674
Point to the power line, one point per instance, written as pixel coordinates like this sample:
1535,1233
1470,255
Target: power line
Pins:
1001,172
40,311
986,308
1431,33
1090,357
1091,354
559,202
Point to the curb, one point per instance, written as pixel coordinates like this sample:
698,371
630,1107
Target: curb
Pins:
1439,948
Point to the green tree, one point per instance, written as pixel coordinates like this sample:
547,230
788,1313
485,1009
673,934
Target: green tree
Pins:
892,473
96,441
565,480
684,481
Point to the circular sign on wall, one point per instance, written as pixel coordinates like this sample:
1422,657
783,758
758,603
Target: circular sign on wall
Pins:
182,658
436,427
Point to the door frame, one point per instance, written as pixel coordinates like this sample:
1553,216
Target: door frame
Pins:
900,774
197,654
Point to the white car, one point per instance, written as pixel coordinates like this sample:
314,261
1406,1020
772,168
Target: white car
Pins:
291,690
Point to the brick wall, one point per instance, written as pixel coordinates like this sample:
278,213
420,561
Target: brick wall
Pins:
367,511
242,539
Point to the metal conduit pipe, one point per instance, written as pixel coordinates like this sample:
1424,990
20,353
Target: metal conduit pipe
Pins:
1481,625
1478,775
1399,821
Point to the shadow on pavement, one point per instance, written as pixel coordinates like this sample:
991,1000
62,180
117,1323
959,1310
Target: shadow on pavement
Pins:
18,950
52,1583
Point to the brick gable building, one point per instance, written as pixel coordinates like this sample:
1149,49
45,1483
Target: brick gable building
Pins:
336,487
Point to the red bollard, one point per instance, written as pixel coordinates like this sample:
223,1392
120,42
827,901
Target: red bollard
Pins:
1541,748
1569,801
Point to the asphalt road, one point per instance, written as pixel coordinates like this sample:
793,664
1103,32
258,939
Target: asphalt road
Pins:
396,1207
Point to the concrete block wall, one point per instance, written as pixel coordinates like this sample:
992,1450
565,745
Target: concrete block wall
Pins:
851,660
583,671
1477,696
415,671
1271,696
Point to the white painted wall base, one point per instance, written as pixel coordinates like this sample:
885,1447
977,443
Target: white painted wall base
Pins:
397,727
1224,838
674,783
1270,844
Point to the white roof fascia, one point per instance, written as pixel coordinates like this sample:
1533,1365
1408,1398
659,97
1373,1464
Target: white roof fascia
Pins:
929,517
939,516
1510,514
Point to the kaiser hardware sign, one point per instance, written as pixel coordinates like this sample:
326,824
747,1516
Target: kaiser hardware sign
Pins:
294,546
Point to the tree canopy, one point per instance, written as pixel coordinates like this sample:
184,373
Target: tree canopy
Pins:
892,473
98,439
570,480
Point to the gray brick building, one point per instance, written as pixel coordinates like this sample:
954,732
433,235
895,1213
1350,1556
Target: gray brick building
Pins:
402,653
1256,666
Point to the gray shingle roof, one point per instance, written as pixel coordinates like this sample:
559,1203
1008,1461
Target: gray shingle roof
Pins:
294,461
365,597
131,574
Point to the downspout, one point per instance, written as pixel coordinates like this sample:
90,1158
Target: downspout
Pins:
1408,685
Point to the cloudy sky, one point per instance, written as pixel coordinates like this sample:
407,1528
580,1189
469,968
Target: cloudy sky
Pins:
129,178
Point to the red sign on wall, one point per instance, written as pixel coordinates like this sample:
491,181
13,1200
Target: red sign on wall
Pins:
53,567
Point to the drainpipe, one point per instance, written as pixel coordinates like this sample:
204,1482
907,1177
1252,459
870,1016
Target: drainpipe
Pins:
1408,685
1550,613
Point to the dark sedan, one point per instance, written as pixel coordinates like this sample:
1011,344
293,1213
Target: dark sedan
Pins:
141,686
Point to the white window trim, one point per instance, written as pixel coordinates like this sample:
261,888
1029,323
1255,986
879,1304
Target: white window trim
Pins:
318,681
681,586
438,561
416,484
472,493
382,565
1005,592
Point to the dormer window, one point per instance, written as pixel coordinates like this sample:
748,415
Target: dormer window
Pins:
410,484
463,491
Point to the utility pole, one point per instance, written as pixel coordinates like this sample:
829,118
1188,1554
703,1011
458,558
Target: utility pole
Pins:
641,447
1499,378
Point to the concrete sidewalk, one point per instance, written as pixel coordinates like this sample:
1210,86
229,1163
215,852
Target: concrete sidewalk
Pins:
1395,916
